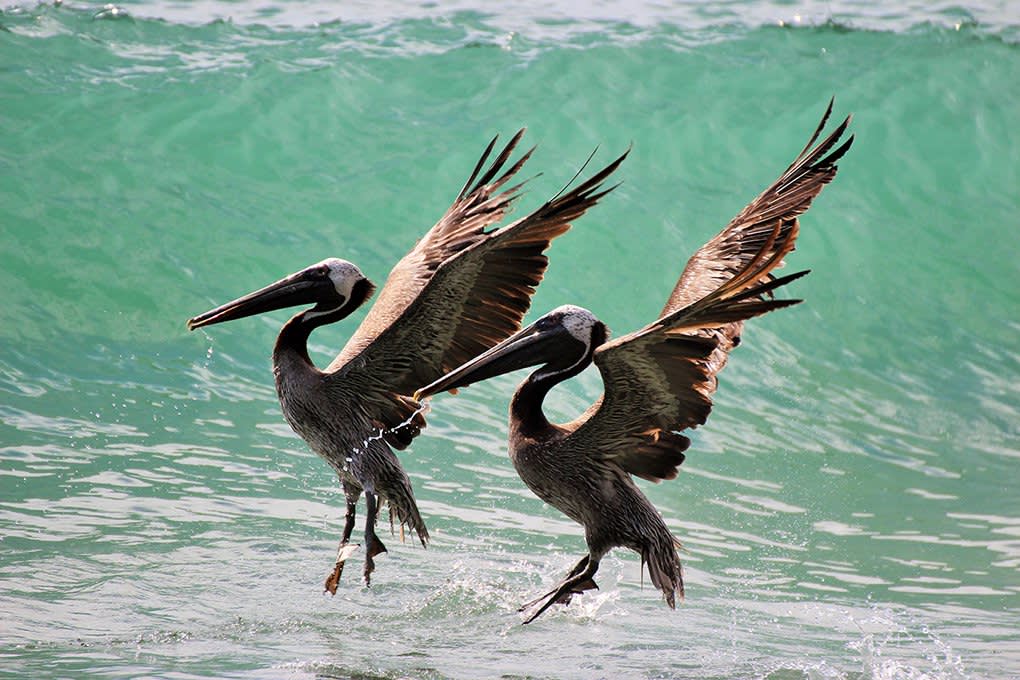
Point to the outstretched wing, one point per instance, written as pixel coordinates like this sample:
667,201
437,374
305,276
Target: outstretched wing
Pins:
675,369
778,207
781,203
461,290
481,203
659,380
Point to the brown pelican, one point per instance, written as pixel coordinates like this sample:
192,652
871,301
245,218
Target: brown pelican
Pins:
658,381
458,292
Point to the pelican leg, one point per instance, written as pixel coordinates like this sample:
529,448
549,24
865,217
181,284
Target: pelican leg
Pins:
579,580
577,569
373,546
344,550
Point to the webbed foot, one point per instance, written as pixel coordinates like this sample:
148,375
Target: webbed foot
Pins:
373,547
342,555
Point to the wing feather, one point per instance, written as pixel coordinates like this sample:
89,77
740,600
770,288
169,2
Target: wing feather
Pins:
747,250
480,204
781,203
434,316
660,380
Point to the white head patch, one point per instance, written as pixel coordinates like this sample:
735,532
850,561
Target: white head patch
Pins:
343,274
577,320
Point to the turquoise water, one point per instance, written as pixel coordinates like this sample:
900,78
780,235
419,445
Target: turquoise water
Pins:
849,511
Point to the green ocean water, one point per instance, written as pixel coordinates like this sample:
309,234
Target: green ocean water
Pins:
849,511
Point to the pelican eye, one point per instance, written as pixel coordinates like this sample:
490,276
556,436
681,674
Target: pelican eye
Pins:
547,322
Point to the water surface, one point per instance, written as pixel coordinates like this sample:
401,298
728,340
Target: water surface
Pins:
848,512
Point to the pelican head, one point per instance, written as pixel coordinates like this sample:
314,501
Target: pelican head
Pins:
336,287
562,342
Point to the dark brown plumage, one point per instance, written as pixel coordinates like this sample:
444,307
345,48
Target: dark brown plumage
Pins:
459,291
658,381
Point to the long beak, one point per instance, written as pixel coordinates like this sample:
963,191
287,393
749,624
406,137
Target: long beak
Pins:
287,292
527,347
